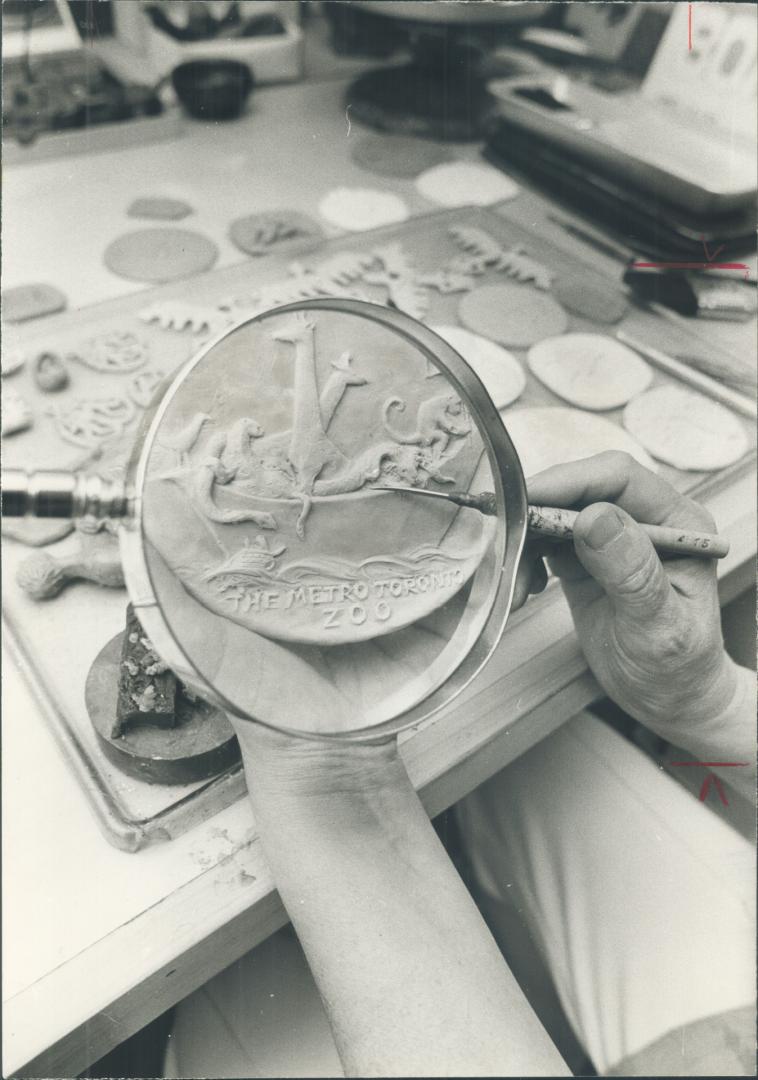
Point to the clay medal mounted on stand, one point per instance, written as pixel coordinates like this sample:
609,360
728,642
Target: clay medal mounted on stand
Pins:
258,492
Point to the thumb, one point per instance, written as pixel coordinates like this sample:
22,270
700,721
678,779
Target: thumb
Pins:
621,558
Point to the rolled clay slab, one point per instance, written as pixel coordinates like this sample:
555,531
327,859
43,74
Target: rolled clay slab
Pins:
397,155
549,436
160,255
465,183
592,371
685,429
499,370
359,209
515,315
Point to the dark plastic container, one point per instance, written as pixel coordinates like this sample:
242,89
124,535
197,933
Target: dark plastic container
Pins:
213,89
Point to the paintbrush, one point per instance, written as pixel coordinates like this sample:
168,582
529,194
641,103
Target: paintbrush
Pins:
554,523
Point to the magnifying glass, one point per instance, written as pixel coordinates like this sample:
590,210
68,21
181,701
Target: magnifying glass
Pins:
264,555
273,544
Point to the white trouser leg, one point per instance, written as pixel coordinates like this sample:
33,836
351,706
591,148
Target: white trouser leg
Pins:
640,898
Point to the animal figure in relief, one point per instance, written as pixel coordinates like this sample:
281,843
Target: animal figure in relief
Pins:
184,439
303,462
438,420
210,471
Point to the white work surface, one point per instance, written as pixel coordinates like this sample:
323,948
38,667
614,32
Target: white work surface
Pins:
97,942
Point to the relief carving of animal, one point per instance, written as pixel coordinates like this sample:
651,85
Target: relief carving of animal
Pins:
438,420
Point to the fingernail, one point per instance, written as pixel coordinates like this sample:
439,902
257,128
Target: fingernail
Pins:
604,530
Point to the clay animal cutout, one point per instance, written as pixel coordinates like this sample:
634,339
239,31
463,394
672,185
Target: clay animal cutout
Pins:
183,317
49,373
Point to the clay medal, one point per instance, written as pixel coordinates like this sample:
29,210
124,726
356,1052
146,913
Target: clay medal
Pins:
261,497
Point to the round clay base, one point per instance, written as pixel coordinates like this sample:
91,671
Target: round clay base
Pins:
202,744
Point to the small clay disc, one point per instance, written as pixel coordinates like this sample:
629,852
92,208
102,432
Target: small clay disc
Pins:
359,209
512,314
465,183
30,302
397,155
259,234
591,299
549,436
591,371
685,429
160,255
201,745
502,375
159,208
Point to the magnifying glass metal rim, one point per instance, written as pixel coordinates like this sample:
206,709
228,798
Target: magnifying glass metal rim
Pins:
510,490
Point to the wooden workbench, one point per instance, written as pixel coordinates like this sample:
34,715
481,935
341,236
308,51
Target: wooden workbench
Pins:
98,941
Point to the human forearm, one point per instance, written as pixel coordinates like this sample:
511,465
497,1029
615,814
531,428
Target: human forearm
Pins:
721,728
412,980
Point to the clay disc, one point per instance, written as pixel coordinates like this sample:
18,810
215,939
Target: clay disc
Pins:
499,370
359,209
550,436
512,314
258,234
159,208
160,255
591,371
685,429
30,302
465,183
590,299
397,155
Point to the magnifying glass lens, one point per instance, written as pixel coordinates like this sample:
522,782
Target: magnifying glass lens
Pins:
302,594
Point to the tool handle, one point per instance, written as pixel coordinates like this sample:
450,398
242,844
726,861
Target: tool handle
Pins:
58,494
550,521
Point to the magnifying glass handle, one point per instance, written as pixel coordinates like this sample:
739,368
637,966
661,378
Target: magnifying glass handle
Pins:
58,494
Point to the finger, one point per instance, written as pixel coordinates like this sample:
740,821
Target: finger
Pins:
531,577
619,556
617,477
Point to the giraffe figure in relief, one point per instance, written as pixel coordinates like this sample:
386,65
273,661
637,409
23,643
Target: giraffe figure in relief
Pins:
310,449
